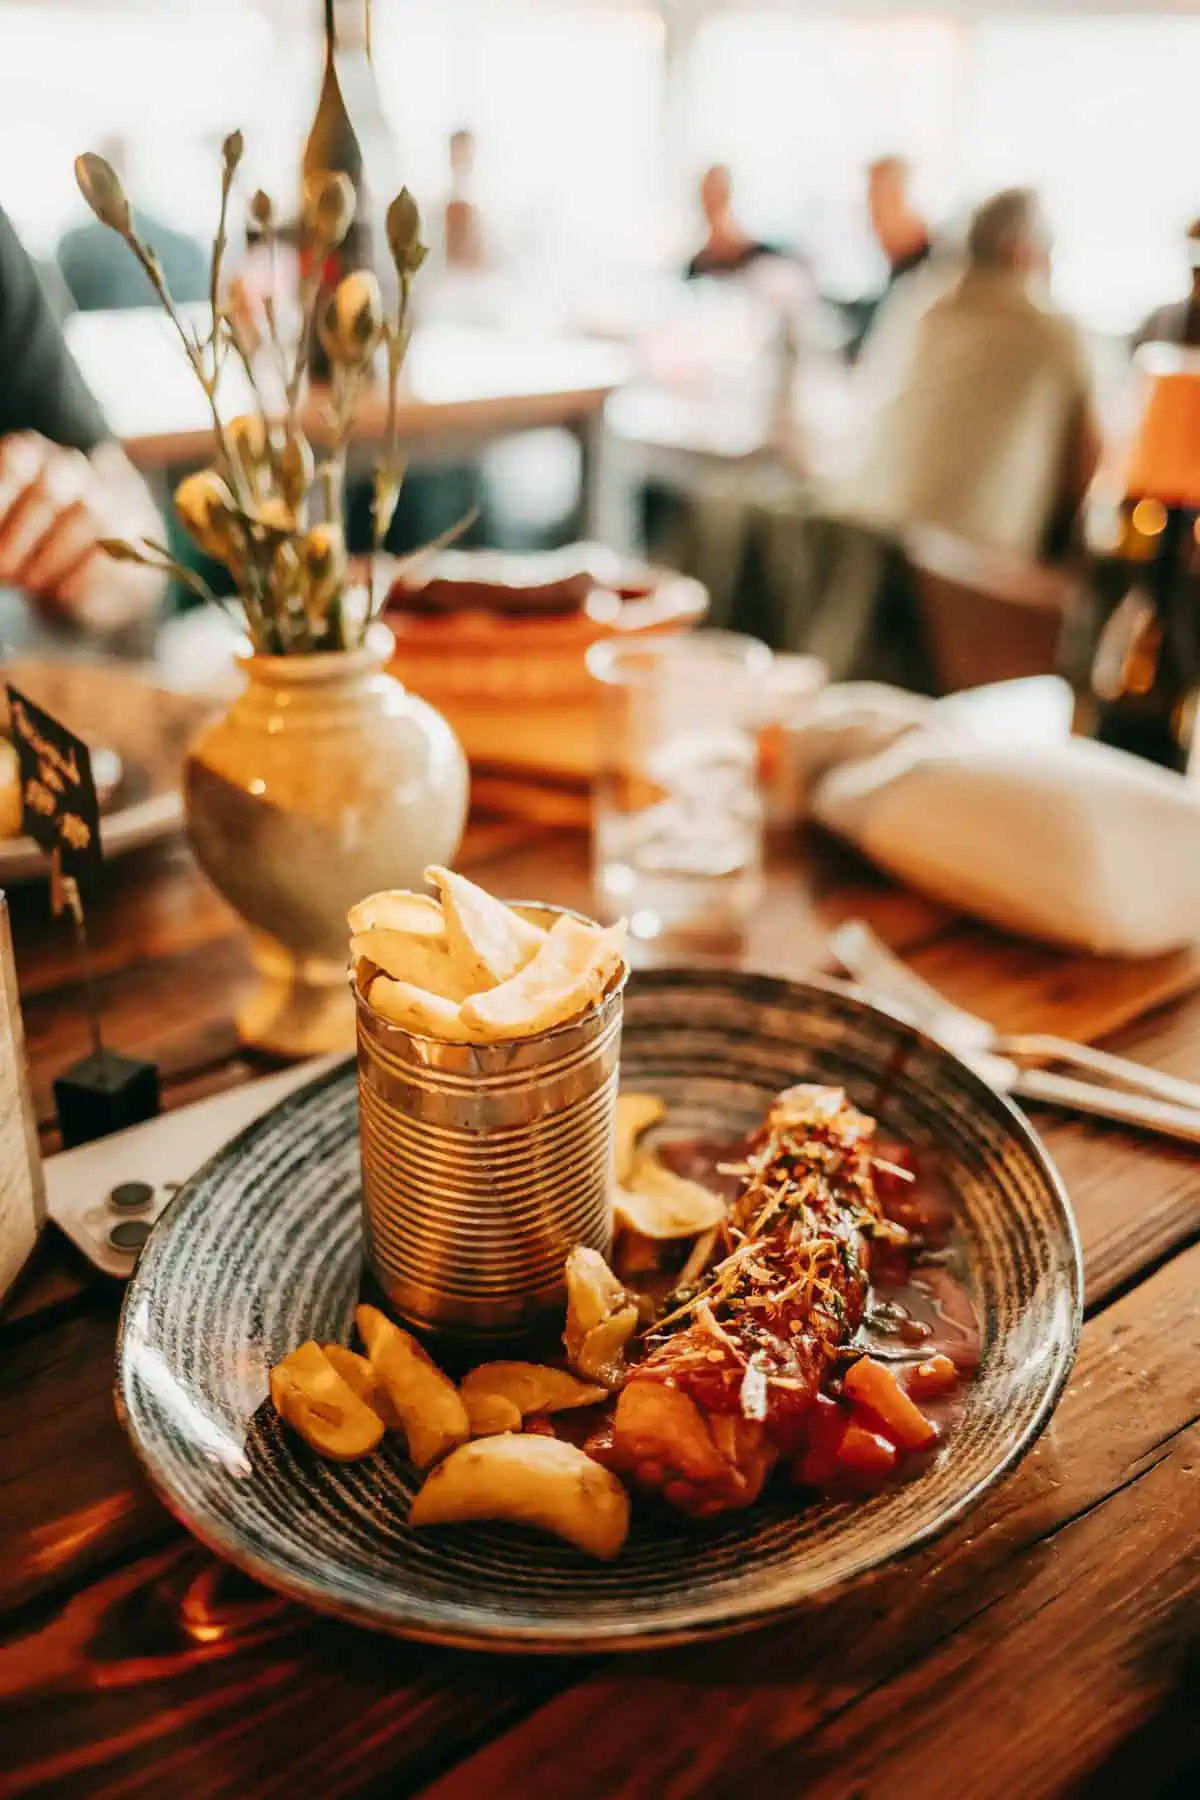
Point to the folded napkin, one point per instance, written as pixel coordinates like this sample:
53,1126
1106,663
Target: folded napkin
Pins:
1058,838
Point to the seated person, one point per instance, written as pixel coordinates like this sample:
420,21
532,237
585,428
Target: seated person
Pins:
726,249
988,427
99,272
63,482
1179,322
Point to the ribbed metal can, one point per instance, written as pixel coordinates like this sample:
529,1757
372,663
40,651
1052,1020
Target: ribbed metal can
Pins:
483,1164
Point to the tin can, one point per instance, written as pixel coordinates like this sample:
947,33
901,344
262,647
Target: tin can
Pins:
483,1164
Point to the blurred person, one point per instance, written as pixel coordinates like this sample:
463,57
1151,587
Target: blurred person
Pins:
900,231
988,429
1178,322
727,249
462,223
902,234
64,484
99,273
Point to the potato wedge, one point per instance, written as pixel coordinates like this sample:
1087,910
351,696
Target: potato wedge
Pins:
601,1318
657,1203
309,1394
537,1481
395,909
569,973
415,1009
421,962
488,941
431,1413
601,1354
530,1387
636,1113
358,1374
490,1414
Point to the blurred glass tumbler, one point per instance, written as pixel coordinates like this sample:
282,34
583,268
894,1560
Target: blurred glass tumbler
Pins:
677,818
483,1164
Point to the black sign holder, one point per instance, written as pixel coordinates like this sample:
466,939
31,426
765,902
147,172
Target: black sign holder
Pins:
105,1091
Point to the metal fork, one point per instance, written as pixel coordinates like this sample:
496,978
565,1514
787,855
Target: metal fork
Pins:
1029,1054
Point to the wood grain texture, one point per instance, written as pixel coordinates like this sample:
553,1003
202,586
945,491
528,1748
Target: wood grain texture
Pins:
1037,1559
129,1658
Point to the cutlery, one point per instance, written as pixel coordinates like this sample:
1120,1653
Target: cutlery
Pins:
1146,1097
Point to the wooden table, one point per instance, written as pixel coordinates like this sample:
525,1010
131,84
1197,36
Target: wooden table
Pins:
1047,1646
464,387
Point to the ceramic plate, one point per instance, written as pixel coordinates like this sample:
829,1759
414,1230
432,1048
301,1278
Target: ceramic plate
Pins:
262,1250
138,734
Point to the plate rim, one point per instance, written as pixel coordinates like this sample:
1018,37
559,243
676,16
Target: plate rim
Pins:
609,1637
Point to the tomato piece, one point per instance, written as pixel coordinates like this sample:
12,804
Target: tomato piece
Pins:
825,1425
933,1377
865,1453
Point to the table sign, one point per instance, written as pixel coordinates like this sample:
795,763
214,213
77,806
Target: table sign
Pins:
60,810
22,1198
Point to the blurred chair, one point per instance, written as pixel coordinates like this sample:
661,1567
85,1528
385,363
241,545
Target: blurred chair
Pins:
986,616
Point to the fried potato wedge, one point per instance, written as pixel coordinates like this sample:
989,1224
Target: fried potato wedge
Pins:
420,962
530,1387
358,1374
636,1113
489,942
395,909
309,1394
601,1318
569,973
490,1414
529,1480
415,1009
657,1203
431,1413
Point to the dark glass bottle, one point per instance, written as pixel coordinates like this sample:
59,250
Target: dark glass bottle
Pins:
346,133
1144,676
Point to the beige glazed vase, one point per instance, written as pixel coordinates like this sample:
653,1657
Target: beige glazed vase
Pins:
326,780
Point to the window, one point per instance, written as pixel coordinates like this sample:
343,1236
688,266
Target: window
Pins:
565,102
1101,115
167,82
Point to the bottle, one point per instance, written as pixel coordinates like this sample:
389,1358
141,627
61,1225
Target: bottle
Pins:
347,134
1144,674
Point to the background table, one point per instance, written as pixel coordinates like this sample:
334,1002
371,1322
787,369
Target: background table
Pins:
465,386
1046,1646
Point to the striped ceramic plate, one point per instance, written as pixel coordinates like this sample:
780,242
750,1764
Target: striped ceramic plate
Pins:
262,1250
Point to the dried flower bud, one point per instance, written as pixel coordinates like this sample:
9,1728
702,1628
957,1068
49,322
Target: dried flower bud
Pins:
248,436
328,209
101,188
247,439
231,153
404,233
351,319
262,210
323,559
275,514
205,505
295,468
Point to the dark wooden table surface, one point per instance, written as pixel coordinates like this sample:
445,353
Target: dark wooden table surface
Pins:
1050,1645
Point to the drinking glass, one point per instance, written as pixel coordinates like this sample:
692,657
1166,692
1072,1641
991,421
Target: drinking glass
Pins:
677,818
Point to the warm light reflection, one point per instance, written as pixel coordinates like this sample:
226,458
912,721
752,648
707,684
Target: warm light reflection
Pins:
51,1547
1149,517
